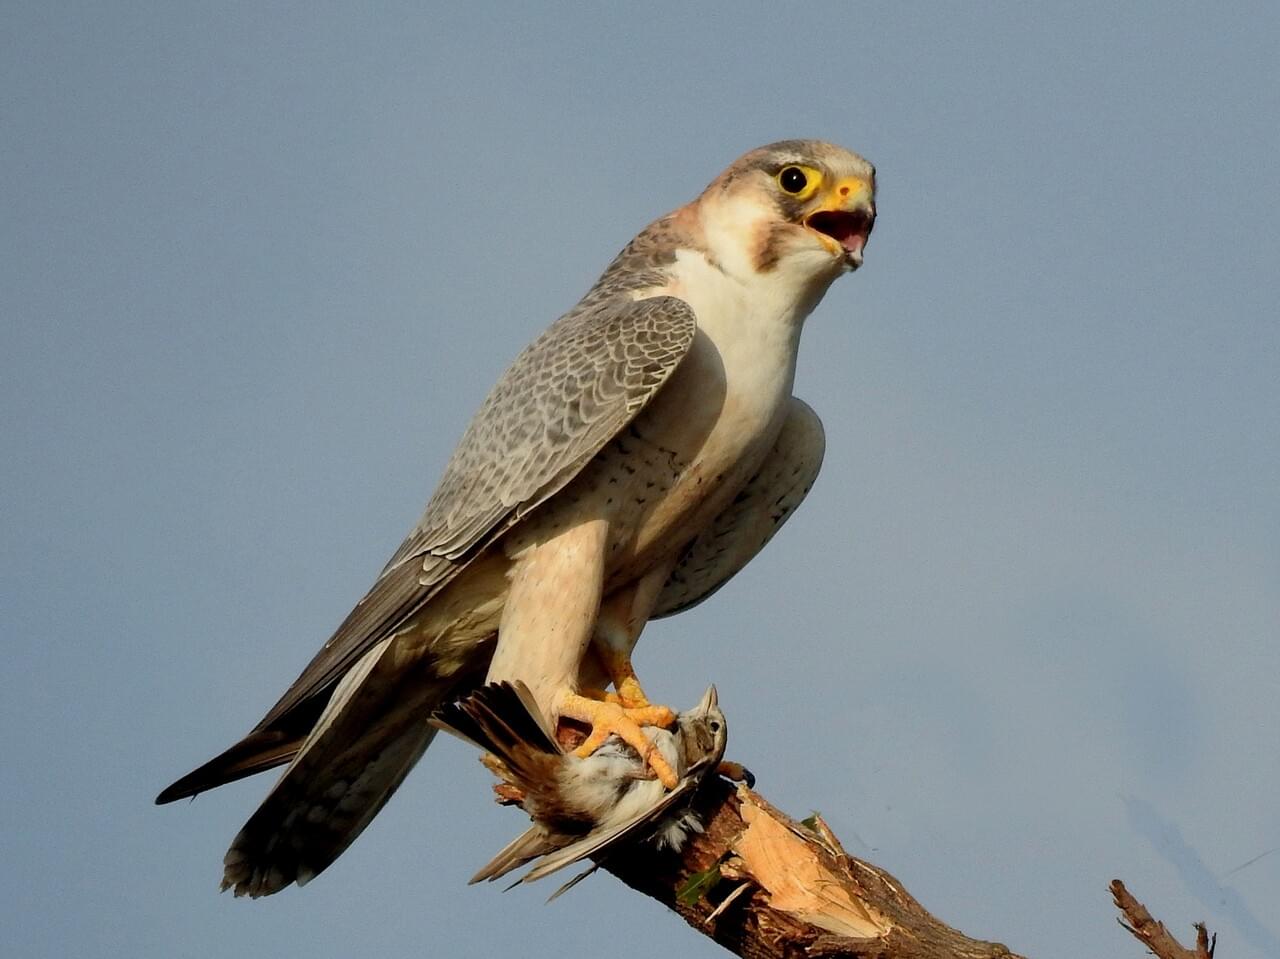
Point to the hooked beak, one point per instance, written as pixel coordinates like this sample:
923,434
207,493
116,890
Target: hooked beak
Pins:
845,219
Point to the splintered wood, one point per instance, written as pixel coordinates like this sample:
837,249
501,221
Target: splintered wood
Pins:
765,886
1153,934
790,871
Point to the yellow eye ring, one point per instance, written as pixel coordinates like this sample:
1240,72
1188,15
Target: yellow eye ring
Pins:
798,181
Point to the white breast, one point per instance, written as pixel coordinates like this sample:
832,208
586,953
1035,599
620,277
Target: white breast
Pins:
752,317
754,325
706,432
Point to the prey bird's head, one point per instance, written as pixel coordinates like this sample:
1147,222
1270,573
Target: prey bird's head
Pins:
802,207
702,732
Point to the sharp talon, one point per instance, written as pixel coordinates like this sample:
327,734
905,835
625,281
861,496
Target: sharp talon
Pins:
652,715
736,772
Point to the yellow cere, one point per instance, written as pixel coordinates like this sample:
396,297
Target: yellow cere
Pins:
851,189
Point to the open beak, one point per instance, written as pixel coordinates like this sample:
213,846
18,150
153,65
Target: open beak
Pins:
845,219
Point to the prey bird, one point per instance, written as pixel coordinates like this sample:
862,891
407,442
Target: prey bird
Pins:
630,461
582,806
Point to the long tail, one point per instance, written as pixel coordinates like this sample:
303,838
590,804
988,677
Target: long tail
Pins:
372,731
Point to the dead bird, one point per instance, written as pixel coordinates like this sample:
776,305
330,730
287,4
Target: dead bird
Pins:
580,806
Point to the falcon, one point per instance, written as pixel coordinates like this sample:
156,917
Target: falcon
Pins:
630,461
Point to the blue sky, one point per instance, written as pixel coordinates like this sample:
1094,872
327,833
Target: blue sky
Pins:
260,262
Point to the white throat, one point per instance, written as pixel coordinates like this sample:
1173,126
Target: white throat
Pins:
753,316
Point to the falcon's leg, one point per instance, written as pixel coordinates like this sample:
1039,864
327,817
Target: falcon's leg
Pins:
617,664
550,612
547,622
623,616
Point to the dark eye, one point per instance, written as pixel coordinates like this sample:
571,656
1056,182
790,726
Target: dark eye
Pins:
713,725
792,179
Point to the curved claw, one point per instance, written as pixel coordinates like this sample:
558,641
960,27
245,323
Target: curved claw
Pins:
736,772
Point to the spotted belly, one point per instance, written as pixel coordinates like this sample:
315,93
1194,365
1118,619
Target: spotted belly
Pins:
656,492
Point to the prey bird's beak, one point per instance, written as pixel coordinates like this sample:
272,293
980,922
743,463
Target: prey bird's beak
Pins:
845,218
709,700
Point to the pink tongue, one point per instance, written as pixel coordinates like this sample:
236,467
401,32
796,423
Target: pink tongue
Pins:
849,231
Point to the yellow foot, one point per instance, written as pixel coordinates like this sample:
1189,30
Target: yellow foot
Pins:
602,695
617,664
635,700
608,719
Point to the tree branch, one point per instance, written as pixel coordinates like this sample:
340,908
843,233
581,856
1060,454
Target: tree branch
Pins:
1153,934
766,887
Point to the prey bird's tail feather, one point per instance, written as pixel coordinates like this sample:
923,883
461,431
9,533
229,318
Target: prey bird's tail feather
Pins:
504,719
525,848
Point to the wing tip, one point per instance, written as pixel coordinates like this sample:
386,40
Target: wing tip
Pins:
253,754
174,792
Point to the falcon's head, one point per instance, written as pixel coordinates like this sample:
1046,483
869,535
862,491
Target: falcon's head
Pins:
802,206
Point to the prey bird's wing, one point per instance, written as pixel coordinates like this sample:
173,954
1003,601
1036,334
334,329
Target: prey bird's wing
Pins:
599,840
536,842
566,396
529,845
504,719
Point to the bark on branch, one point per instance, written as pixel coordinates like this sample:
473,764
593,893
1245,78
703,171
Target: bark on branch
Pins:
765,886
1153,934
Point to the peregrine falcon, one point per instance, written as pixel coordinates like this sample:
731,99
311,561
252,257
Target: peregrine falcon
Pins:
631,460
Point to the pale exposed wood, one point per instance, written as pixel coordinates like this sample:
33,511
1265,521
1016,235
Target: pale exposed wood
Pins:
796,879
788,889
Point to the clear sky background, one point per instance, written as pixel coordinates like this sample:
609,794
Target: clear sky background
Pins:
260,262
